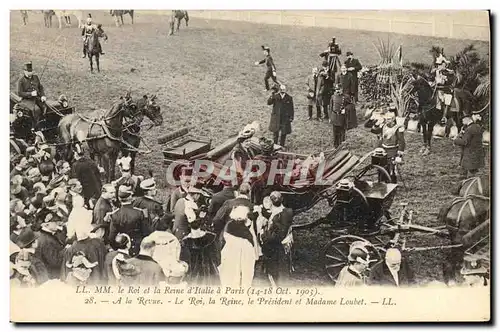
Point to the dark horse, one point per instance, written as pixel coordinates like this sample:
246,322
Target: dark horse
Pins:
461,216
118,14
178,15
146,106
92,49
103,135
429,115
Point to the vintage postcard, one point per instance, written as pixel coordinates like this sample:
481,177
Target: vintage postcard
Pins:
249,166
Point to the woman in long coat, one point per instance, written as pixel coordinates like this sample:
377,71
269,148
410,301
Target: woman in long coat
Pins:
471,141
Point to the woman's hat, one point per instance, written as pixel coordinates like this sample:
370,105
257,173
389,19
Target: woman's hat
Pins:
148,184
80,260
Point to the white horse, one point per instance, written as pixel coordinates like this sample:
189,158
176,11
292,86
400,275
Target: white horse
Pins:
61,14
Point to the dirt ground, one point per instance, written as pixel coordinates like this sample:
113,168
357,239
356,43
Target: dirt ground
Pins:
204,77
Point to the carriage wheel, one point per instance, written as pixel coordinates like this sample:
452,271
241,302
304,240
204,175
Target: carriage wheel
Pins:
337,251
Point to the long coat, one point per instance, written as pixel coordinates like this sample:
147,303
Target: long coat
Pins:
218,200
282,114
354,73
348,85
381,276
471,141
86,171
50,252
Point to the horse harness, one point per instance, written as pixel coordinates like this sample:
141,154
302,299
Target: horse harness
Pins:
472,181
467,202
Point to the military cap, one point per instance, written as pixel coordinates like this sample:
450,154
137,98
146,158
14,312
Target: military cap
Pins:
28,66
124,191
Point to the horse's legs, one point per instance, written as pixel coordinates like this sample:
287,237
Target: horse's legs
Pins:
91,62
97,62
121,18
112,155
132,162
132,16
178,23
186,17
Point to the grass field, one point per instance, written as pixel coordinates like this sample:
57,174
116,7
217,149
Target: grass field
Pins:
204,77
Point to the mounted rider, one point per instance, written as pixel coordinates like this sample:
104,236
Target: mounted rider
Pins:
32,95
87,32
391,139
444,84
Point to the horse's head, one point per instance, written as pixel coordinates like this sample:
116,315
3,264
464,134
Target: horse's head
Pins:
151,109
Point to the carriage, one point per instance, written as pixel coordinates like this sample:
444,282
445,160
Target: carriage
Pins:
55,110
358,190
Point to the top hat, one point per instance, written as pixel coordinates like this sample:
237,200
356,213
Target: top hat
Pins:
349,53
28,67
26,237
472,266
148,184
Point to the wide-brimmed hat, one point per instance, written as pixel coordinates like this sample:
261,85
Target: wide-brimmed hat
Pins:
359,253
472,265
148,184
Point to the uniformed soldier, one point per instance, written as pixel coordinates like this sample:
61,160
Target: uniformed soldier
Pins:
32,93
127,178
338,116
88,30
444,81
271,68
392,140
147,202
130,220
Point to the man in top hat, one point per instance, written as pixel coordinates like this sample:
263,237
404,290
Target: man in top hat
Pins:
354,274
473,272
353,67
32,94
470,139
87,31
444,80
87,172
149,203
312,86
282,115
28,243
393,271
271,68
338,116
324,89
129,220
392,140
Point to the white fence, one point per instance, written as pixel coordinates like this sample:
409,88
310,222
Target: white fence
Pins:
450,24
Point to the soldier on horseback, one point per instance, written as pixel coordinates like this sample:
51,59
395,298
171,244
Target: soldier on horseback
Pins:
87,31
32,93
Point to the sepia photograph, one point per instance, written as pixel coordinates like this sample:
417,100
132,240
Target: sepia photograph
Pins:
249,165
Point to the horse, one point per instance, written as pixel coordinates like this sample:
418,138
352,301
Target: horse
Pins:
118,15
103,135
146,106
47,17
66,14
178,15
428,113
478,185
92,49
460,217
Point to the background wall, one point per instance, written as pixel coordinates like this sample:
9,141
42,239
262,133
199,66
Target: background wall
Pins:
450,24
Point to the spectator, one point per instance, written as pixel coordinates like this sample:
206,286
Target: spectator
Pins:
282,115
354,274
353,67
122,245
470,139
312,86
393,271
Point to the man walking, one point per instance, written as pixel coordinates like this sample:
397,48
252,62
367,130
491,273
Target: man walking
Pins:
271,68
282,115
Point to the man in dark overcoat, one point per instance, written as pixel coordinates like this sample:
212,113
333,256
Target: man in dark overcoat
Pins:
218,199
50,247
470,139
282,115
129,220
324,89
392,271
347,82
353,67
148,202
32,93
338,116
87,172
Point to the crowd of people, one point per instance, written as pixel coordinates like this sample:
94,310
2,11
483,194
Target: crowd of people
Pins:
67,225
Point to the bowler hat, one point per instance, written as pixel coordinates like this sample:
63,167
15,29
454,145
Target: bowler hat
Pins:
26,237
28,67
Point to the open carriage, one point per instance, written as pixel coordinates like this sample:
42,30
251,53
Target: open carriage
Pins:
55,110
